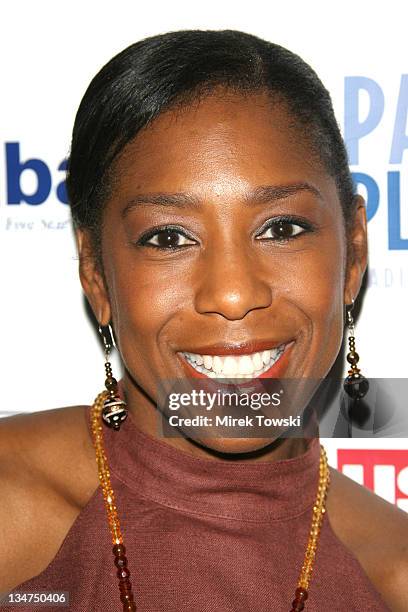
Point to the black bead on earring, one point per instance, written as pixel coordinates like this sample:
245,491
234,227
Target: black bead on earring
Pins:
355,384
114,408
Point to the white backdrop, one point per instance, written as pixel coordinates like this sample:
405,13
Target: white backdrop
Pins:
50,356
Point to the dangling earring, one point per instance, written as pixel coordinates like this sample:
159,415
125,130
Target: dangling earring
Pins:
114,408
355,384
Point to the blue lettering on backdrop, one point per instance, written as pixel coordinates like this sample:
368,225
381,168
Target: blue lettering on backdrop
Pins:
15,168
373,192
354,128
400,137
61,189
395,242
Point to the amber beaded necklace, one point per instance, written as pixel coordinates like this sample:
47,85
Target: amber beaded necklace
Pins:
119,550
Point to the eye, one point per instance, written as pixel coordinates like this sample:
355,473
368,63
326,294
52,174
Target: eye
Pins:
283,229
165,238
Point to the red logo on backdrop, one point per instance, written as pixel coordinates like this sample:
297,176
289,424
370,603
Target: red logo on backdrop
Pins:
384,471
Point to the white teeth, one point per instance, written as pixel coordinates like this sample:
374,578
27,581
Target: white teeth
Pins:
207,359
230,365
257,361
245,365
217,364
235,366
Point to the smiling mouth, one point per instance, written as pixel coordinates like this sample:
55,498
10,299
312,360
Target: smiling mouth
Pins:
261,364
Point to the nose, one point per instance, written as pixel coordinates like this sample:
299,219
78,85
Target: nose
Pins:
231,285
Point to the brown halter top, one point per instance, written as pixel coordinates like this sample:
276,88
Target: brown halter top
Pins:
203,536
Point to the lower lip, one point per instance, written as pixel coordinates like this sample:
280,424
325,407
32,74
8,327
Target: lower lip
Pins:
275,371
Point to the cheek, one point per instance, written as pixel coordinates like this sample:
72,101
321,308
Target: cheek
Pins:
319,295
144,299
308,285
310,278
320,284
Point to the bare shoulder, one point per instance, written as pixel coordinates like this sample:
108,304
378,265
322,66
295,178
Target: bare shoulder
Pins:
376,532
52,445
47,475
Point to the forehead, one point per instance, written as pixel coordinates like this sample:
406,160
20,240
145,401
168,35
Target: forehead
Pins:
220,143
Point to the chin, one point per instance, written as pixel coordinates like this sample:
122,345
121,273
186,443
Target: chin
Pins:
235,446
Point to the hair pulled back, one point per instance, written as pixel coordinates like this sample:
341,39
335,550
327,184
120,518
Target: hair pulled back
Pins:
175,68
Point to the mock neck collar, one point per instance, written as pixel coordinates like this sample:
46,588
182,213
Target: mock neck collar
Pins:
252,492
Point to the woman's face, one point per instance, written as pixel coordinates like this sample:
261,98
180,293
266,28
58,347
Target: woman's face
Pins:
223,173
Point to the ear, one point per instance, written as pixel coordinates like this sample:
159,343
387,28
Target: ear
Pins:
91,276
357,251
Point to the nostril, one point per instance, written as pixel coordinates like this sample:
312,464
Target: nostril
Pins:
233,304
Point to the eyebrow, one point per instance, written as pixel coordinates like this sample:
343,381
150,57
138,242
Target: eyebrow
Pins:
263,194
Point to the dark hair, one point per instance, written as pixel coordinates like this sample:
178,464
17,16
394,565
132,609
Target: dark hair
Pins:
162,71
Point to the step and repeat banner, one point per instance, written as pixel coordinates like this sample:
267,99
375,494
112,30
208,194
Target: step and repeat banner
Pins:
51,355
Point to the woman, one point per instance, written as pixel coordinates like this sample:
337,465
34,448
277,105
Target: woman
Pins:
216,224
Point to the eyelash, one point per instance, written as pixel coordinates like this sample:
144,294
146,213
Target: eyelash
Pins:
142,241
285,219
306,226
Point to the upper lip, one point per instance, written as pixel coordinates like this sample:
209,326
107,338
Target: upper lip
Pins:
241,348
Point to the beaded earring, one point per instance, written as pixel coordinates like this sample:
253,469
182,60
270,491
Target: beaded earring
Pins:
114,410
355,384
